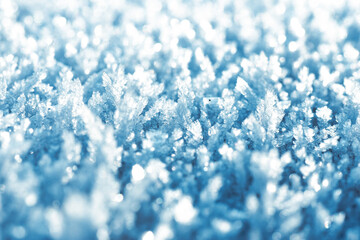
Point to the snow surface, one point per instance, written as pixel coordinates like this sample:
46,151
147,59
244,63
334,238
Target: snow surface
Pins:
181,119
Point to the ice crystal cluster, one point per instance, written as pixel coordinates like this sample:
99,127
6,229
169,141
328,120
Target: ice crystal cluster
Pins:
181,119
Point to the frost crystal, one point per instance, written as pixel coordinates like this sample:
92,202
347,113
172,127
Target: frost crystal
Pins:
181,119
184,211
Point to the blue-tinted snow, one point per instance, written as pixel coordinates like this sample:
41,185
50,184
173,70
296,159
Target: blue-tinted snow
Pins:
198,119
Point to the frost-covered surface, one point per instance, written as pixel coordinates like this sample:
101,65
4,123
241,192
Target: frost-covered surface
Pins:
179,119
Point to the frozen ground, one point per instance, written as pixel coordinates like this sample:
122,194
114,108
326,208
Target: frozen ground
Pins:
226,119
